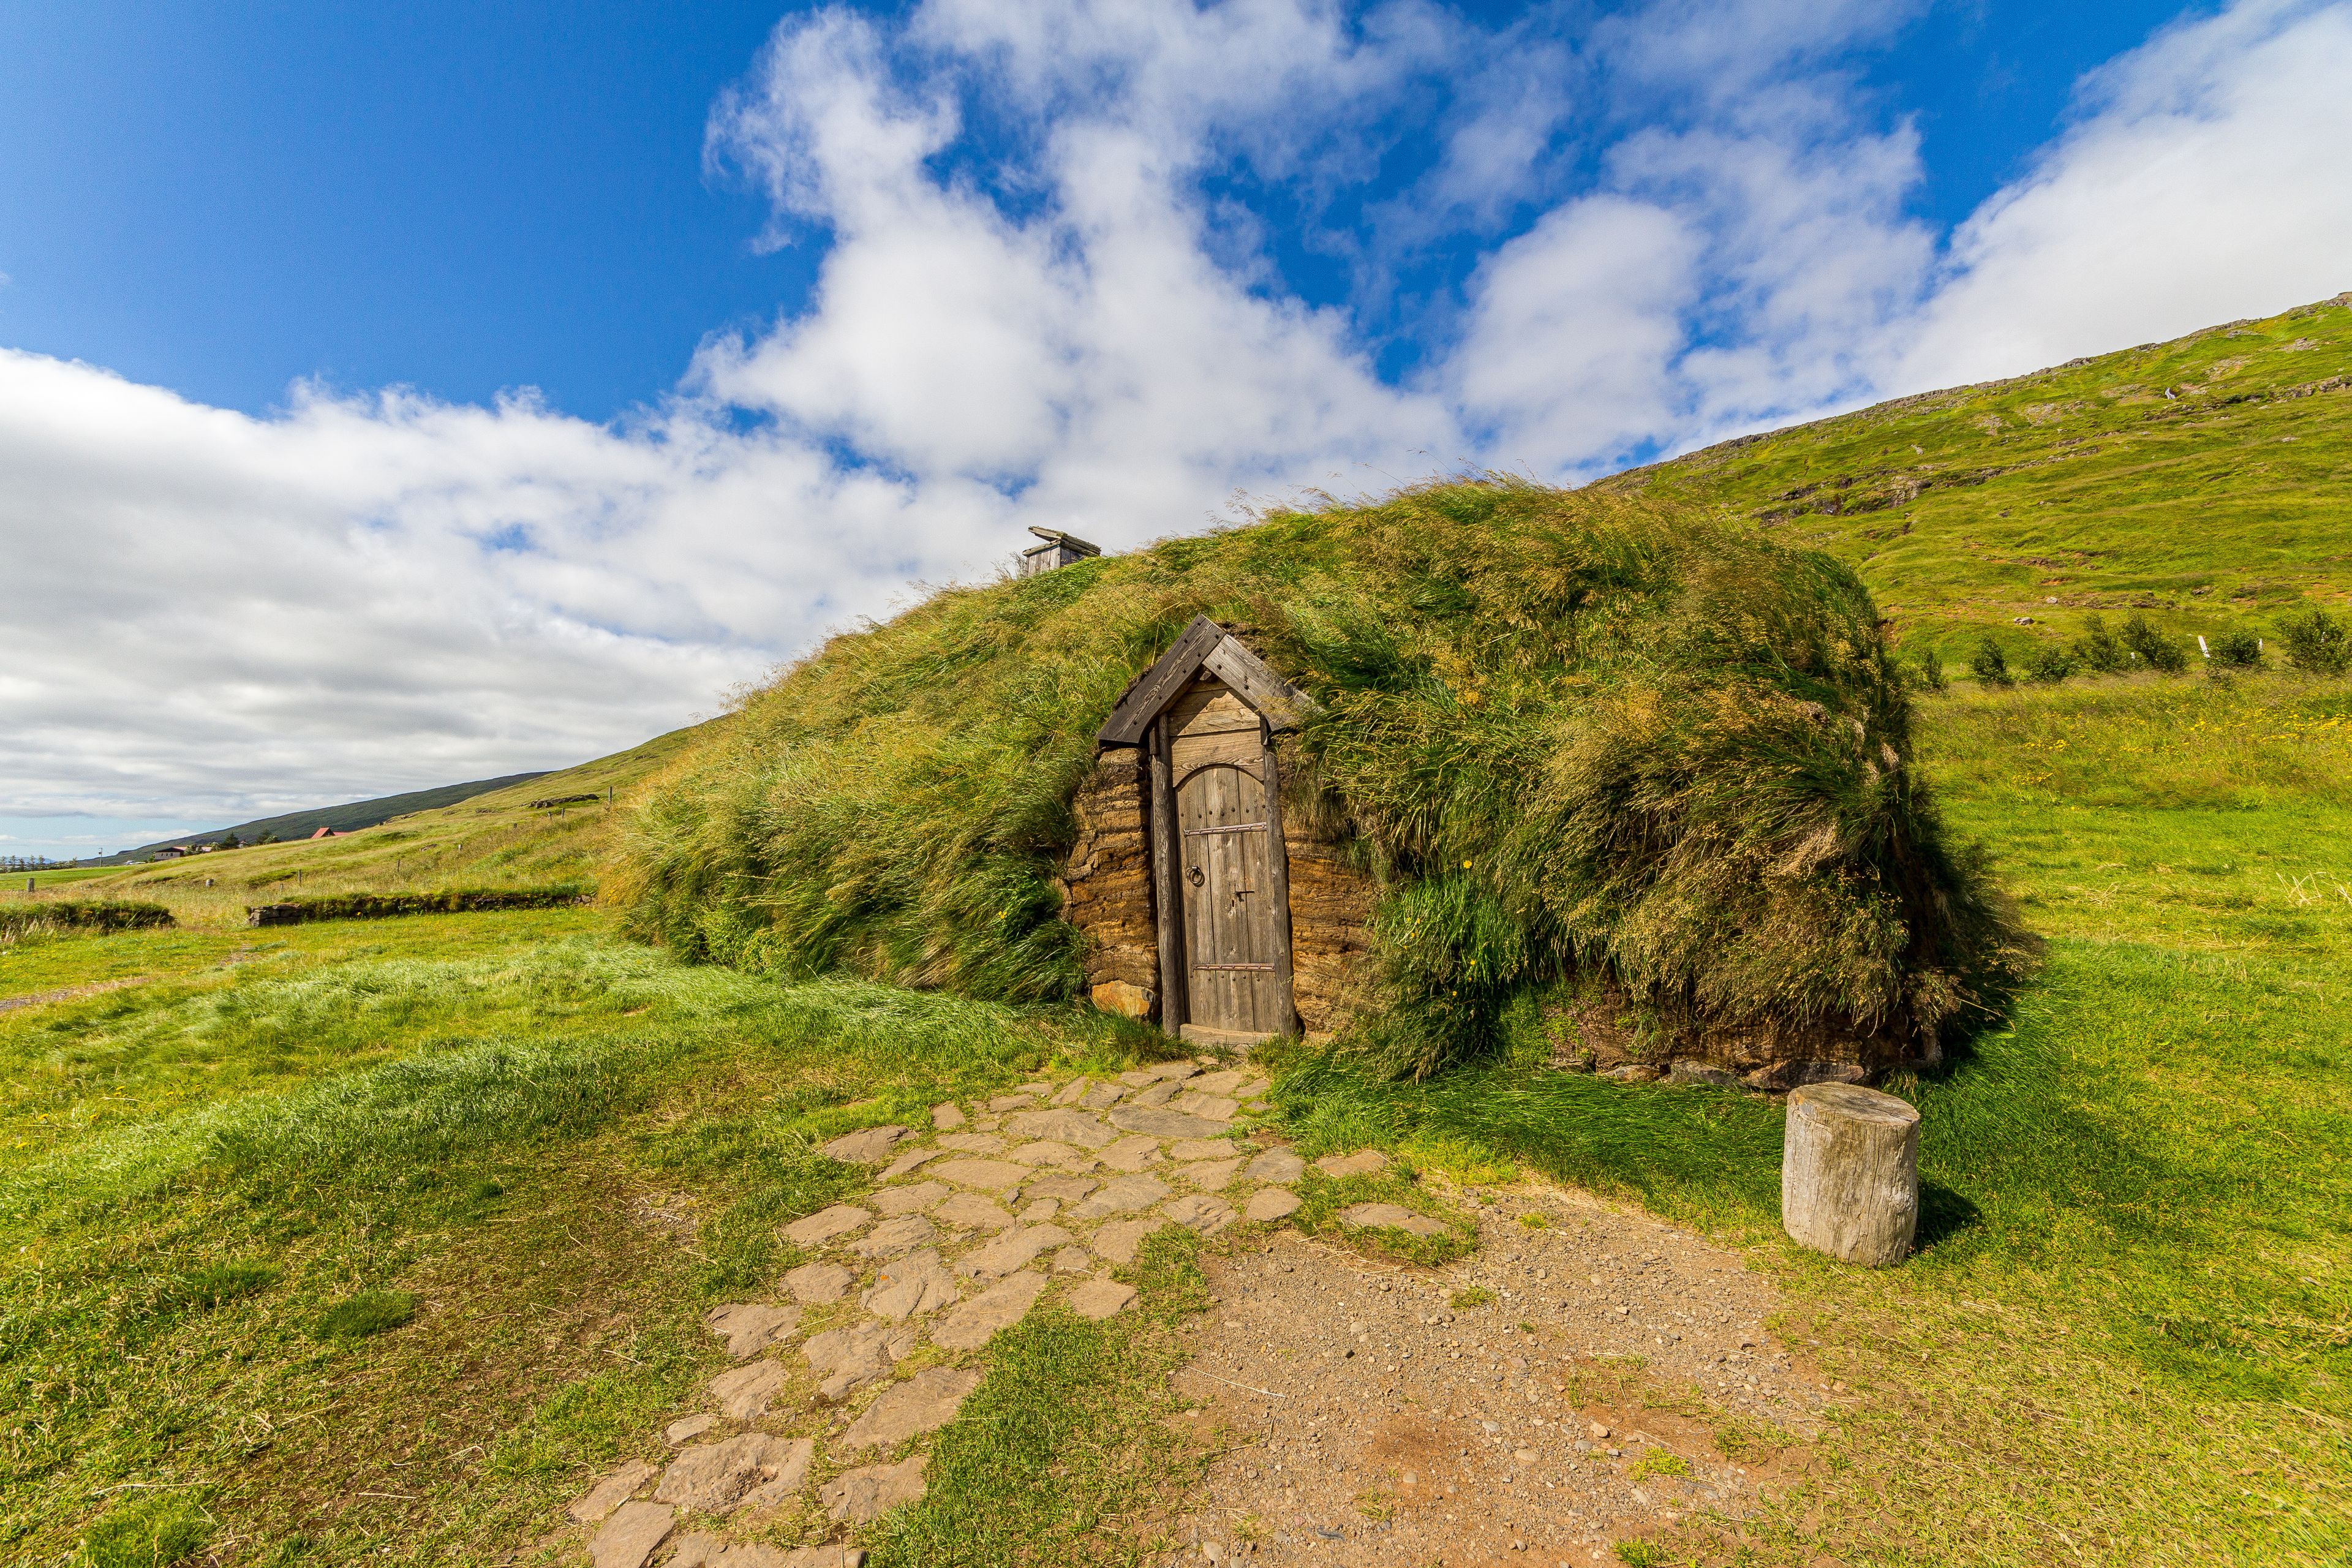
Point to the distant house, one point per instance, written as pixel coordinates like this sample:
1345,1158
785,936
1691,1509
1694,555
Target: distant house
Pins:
168,852
327,833
1059,550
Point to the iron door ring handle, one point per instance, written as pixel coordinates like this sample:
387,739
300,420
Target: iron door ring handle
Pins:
1197,877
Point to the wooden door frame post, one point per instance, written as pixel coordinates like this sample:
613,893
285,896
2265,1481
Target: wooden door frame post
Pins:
1167,859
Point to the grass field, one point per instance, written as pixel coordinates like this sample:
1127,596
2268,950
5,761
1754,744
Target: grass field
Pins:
530,1153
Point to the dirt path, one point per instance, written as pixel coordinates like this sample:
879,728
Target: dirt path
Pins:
1559,1390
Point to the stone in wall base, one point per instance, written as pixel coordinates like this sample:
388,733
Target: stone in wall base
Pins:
1128,1001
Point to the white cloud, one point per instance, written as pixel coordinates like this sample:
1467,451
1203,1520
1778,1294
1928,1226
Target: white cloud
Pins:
1062,324
2204,181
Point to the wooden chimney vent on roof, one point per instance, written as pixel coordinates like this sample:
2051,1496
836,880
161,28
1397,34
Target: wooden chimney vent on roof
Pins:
1059,549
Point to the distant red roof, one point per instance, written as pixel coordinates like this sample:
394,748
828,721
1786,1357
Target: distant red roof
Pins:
326,833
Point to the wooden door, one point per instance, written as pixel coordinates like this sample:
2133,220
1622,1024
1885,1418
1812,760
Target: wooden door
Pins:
1230,875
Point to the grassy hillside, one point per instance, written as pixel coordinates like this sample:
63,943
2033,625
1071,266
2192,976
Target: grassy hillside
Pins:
2206,482
1584,742
346,818
494,839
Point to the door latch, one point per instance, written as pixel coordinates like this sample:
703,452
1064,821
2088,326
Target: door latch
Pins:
1196,876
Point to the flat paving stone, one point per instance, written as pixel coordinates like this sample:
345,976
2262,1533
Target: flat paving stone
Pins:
687,1429
1162,1122
1073,1260
854,1355
970,1211
1213,1176
1004,1102
867,1146
1117,1242
1132,1154
1362,1163
1191,1149
745,1393
1062,1156
822,1227
1279,1166
1064,1189
1201,1211
988,1175
1216,1107
1255,1088
1012,1251
893,1237
751,1327
1124,1195
1039,1212
864,1495
924,1403
1074,1091
630,1535
1102,1097
1386,1217
814,1284
1223,1082
1268,1204
751,1468
911,1286
972,1143
1157,1094
892,1202
610,1493
1063,1126
1142,1078
1101,1298
913,1160
998,1306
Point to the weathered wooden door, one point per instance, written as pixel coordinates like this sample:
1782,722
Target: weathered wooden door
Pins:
1230,876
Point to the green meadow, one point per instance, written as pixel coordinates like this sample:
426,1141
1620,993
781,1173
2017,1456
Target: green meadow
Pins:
377,1239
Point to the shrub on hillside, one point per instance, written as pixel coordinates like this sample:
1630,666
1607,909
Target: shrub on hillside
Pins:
1571,736
2099,651
2050,662
2152,647
2238,649
1933,677
1990,665
2317,643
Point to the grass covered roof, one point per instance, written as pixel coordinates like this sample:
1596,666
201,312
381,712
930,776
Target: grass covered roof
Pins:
1578,739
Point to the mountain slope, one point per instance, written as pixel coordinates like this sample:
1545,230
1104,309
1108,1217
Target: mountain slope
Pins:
347,818
2206,482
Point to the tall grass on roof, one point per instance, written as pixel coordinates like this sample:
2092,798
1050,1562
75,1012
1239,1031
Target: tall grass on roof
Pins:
1577,738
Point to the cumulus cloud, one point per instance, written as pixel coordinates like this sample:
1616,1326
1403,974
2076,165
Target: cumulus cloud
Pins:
2202,180
1058,285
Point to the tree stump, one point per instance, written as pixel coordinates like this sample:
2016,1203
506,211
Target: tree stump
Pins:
1850,1173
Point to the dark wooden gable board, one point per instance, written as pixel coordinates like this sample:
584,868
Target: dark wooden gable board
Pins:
1203,645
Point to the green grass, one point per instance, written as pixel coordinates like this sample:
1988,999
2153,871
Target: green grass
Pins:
2128,1332
340,1245
2075,490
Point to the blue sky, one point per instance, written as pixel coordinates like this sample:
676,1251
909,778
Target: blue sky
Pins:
224,199
396,396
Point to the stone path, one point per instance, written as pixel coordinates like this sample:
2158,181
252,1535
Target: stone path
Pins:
875,1343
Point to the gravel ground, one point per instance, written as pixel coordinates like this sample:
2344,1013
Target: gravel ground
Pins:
1559,1390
